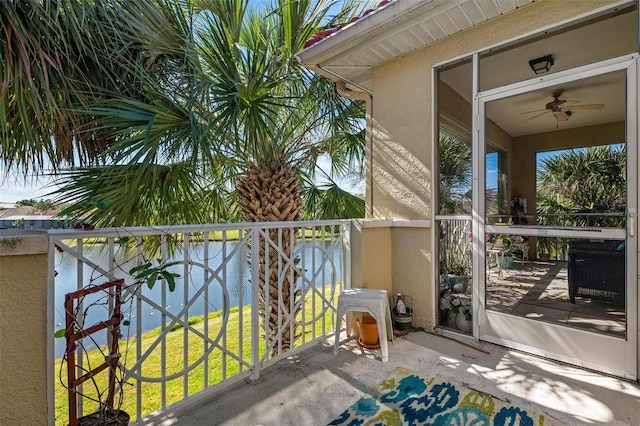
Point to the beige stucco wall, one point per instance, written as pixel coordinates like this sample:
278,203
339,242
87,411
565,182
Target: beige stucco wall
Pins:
403,129
23,331
371,255
384,256
457,108
412,271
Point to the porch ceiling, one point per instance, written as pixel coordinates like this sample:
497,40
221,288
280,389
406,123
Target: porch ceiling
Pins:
394,30
401,27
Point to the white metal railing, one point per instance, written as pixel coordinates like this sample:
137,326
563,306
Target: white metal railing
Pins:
203,306
455,244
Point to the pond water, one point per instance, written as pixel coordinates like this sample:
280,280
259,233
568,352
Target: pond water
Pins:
236,275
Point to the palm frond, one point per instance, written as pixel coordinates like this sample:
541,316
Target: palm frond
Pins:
158,92
166,194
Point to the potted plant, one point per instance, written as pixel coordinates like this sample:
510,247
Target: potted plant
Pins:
519,210
106,392
457,274
519,247
456,309
447,310
544,247
402,312
506,262
464,320
489,241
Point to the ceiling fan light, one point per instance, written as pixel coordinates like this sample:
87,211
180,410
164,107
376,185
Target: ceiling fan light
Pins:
541,65
562,115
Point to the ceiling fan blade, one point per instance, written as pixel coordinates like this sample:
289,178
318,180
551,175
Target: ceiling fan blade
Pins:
536,116
589,106
536,110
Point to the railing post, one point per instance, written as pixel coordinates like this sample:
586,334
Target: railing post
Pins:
255,304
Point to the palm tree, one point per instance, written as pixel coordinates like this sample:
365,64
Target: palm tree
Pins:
50,71
455,175
217,120
223,97
584,181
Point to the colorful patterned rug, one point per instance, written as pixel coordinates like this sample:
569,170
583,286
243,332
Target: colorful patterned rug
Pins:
408,398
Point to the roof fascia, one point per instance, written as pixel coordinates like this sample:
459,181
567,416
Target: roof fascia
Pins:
392,18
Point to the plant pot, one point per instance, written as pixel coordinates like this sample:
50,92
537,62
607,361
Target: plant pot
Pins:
368,331
545,257
402,321
463,324
507,262
451,318
457,283
448,318
117,418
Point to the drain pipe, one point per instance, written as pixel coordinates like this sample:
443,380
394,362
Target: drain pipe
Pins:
341,88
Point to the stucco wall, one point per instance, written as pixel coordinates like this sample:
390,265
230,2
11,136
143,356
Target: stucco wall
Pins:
371,256
403,129
412,271
23,331
401,150
456,107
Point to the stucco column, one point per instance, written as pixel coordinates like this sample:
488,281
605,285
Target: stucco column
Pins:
371,254
23,328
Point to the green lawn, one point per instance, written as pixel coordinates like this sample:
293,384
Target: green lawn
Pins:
174,347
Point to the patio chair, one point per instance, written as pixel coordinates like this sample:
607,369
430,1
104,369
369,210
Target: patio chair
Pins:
597,269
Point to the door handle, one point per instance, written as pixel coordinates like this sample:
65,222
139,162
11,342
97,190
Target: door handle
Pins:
633,214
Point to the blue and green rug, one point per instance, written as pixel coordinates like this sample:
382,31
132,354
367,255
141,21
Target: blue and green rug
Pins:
408,398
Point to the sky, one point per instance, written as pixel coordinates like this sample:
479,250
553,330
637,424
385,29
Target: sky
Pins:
12,190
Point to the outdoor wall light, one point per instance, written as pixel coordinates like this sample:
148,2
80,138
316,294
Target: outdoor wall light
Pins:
541,65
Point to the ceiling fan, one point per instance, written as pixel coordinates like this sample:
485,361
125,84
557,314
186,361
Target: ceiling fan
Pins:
561,109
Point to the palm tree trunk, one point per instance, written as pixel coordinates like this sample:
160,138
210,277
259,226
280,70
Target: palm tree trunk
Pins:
272,193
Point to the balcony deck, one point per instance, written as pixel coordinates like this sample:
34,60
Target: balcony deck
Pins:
314,387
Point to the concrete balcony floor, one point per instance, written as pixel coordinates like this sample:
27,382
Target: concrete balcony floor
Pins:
314,387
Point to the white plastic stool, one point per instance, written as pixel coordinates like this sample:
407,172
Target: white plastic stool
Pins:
370,300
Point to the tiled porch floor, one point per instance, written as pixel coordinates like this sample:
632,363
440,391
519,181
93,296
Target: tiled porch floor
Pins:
314,387
539,290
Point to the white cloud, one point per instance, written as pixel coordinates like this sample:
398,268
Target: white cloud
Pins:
12,189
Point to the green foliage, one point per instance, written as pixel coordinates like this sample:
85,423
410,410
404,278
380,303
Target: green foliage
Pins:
28,203
456,264
454,175
191,321
150,274
54,63
39,205
587,180
166,104
329,201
